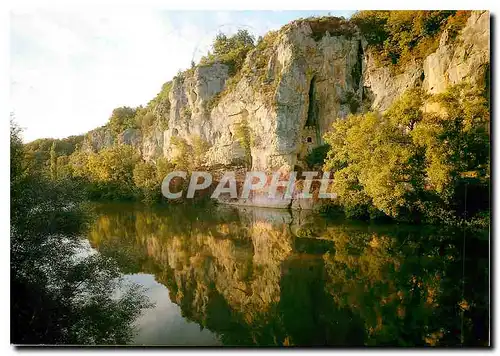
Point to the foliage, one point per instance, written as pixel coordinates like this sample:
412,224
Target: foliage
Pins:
145,179
230,50
163,167
57,296
189,156
408,163
187,112
37,154
400,36
317,156
111,171
200,148
64,168
162,97
53,161
182,153
243,135
122,118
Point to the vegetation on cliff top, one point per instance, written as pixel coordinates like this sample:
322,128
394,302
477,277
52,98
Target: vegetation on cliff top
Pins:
230,50
401,36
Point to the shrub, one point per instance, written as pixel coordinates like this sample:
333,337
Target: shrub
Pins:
230,50
400,36
122,118
407,163
317,156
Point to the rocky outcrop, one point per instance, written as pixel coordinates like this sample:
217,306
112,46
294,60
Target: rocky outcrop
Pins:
131,137
298,73
190,101
465,58
307,83
469,60
291,88
383,86
98,139
152,143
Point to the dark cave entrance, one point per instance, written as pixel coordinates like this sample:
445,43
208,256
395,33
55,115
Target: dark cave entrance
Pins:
312,121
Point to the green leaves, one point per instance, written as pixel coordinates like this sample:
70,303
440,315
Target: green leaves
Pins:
122,118
404,35
61,294
399,161
230,50
243,134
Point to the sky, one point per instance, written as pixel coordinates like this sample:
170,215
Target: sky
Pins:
69,69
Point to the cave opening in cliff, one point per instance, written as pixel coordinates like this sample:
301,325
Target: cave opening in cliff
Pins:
312,121
312,112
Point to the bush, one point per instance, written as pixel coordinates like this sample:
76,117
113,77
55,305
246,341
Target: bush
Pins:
407,163
317,156
400,36
122,118
60,295
231,50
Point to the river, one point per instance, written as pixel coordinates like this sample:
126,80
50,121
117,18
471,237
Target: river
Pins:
223,275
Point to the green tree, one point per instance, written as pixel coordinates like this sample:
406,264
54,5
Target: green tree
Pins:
183,153
404,35
407,163
200,148
113,164
145,179
231,50
243,134
79,164
53,161
122,118
57,296
189,156
163,167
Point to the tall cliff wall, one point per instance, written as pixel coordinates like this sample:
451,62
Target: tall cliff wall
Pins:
291,88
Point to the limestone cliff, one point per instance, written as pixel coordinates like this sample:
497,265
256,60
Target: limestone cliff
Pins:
291,88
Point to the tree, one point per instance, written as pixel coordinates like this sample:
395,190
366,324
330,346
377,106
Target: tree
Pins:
183,153
57,295
113,164
189,156
200,148
79,164
146,180
243,134
231,50
163,167
53,161
409,163
404,35
122,118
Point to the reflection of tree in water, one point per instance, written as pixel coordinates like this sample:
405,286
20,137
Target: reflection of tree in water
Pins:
60,292
245,276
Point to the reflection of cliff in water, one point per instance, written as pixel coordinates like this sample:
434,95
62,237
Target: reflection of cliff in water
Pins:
272,277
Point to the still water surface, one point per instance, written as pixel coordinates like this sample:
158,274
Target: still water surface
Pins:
255,276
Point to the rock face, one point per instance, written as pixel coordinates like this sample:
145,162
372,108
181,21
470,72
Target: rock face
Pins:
469,60
291,89
98,139
307,85
190,101
465,58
